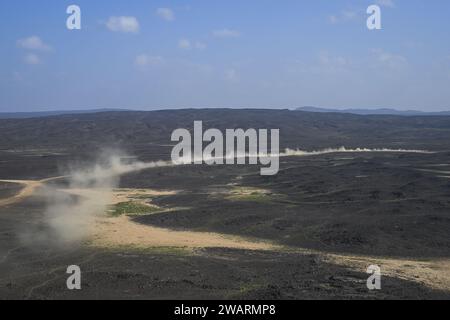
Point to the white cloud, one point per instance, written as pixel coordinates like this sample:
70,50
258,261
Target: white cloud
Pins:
184,44
386,3
32,59
327,63
343,16
200,45
187,44
348,15
33,43
333,19
166,14
226,33
325,59
389,60
231,75
144,60
123,24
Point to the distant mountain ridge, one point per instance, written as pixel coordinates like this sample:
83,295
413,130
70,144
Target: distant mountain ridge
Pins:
42,114
383,111
362,112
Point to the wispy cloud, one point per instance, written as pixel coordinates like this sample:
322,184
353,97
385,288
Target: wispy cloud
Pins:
200,45
343,16
326,59
144,60
32,59
226,33
123,24
231,75
33,43
184,44
166,14
187,44
386,3
388,59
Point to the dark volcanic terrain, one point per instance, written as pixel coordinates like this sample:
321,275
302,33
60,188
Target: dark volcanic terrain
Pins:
327,216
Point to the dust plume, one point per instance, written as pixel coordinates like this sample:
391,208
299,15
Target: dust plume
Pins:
68,216
299,153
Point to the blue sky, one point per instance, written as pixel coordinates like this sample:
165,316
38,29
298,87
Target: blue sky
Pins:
256,53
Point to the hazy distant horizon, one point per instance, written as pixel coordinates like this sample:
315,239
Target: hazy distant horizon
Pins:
339,109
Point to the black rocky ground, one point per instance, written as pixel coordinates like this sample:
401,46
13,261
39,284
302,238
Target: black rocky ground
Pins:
376,204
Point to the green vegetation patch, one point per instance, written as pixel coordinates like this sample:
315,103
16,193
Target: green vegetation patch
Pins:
252,195
131,208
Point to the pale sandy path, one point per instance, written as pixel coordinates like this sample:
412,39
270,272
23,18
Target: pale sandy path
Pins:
29,187
123,232
433,273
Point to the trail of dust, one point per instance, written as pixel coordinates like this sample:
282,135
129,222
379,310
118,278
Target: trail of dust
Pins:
289,153
299,153
30,186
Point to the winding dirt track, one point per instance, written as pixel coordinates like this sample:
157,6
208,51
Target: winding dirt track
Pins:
28,189
434,274
123,232
29,186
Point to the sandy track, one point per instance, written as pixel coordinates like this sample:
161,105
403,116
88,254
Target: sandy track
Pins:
434,274
28,189
123,232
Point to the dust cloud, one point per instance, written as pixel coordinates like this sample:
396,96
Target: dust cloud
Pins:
69,218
